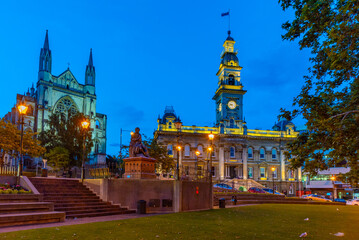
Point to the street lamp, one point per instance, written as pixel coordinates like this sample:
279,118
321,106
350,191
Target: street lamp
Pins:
85,125
211,137
22,110
273,170
178,125
196,164
334,190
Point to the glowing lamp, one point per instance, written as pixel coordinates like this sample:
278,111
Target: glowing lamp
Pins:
22,108
179,148
211,136
198,153
273,169
85,124
210,149
332,178
131,133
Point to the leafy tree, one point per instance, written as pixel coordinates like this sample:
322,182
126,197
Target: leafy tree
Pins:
10,141
159,152
117,162
66,132
58,158
329,99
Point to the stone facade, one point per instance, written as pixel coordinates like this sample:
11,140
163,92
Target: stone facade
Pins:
239,153
63,93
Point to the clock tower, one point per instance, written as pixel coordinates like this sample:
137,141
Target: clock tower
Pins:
229,94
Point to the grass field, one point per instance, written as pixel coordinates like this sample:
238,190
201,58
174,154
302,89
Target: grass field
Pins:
266,221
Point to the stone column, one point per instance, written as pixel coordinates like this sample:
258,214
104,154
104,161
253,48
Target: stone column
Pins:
282,165
221,163
299,174
245,164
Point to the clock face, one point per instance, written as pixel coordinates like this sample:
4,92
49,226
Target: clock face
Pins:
220,107
232,104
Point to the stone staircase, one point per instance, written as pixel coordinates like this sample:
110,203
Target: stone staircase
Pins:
72,197
18,209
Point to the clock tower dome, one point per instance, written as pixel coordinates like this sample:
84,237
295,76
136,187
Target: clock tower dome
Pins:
229,94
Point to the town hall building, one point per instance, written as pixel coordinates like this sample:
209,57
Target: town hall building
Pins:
238,152
64,94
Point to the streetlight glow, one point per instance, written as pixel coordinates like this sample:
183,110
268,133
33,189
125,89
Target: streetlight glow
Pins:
273,169
332,178
179,148
210,149
211,136
22,108
198,153
85,124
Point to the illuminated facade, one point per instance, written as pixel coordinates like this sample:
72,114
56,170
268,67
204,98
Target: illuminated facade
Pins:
239,153
63,94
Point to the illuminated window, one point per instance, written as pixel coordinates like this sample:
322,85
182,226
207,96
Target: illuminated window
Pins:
262,172
200,149
261,153
274,173
274,153
232,152
291,174
231,123
250,172
187,150
250,153
169,149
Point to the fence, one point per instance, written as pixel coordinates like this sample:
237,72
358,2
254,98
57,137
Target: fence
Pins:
8,170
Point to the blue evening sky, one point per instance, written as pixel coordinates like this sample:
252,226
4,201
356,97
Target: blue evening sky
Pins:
152,54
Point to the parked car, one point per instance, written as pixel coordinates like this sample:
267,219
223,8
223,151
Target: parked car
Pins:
256,190
353,202
340,200
269,190
316,198
223,185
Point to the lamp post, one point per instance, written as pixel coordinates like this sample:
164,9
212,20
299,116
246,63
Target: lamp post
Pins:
178,125
334,189
211,137
273,169
196,164
85,125
22,110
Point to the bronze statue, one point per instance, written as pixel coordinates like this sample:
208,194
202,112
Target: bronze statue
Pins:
137,148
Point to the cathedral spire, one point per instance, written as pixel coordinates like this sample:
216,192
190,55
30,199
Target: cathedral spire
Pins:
90,71
45,56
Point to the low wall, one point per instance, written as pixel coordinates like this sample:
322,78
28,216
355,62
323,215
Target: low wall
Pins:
160,196
8,179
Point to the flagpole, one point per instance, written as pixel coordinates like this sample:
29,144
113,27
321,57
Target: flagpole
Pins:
229,20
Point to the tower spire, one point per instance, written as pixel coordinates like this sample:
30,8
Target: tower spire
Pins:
46,43
45,56
90,59
90,71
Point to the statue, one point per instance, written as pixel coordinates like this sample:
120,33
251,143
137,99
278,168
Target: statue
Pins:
136,146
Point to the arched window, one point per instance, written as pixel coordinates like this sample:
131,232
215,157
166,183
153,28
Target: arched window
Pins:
250,153
261,153
97,147
274,153
231,123
231,80
98,124
187,150
66,105
169,149
169,124
232,151
200,149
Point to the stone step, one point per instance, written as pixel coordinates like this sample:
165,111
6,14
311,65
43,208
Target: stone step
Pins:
98,214
7,198
77,203
81,211
7,208
70,198
85,206
7,220
76,194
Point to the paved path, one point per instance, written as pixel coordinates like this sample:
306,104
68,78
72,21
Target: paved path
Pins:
77,221
91,220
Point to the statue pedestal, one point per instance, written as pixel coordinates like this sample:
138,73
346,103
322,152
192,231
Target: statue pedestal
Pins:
139,168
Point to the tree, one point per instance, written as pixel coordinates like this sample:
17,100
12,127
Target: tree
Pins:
159,152
10,141
66,132
58,158
329,99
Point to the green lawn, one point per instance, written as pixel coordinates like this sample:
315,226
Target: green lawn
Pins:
266,221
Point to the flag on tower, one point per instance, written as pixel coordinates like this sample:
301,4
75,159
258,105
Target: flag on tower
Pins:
225,14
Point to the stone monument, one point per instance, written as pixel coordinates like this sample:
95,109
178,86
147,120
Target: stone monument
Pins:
139,164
